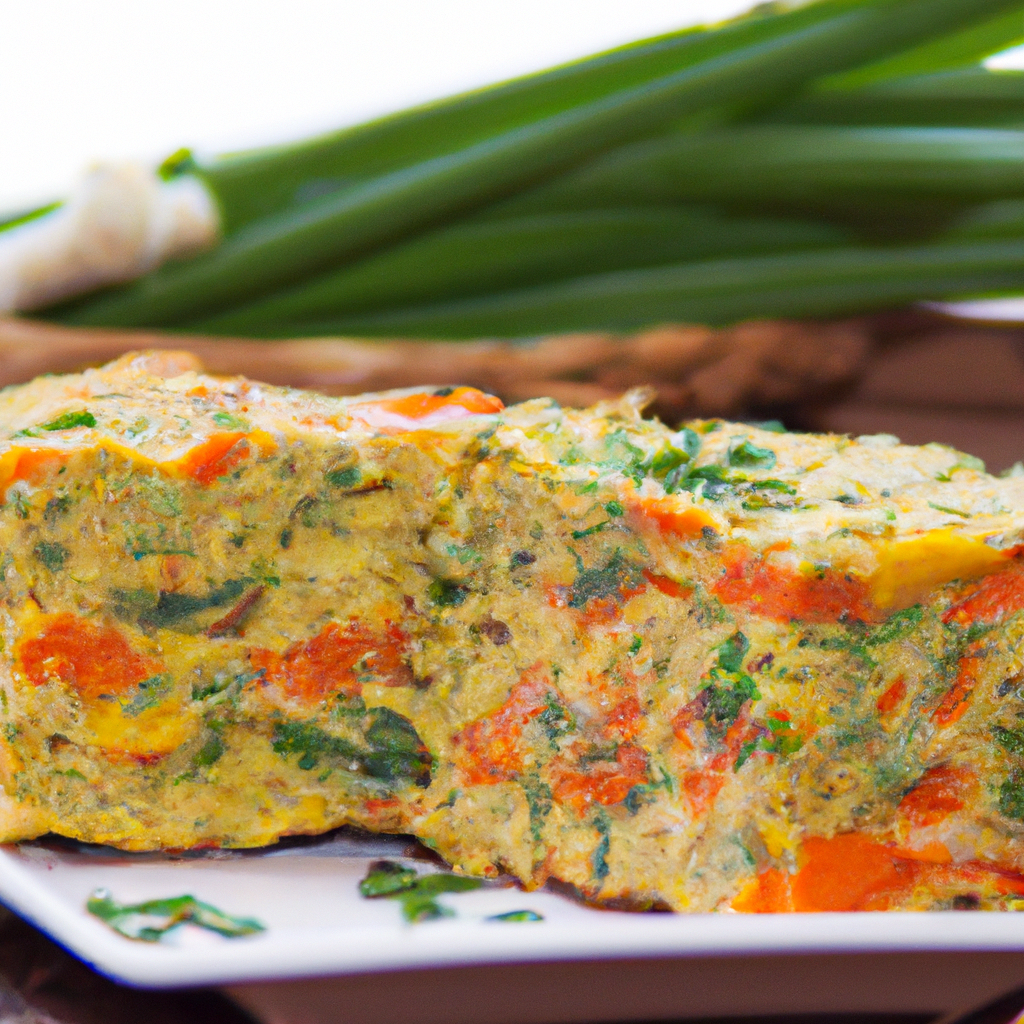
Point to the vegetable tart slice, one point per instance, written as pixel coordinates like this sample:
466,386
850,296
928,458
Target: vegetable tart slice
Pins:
713,668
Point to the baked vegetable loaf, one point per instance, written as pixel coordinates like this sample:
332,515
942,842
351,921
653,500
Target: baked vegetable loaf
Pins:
720,667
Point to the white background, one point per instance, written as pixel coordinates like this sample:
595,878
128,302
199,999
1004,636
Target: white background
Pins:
87,80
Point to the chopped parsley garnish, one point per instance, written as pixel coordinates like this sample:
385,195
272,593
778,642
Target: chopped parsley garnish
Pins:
896,626
153,919
728,687
447,593
1011,740
52,555
229,421
70,420
389,748
612,581
417,894
148,694
347,476
749,455
1011,796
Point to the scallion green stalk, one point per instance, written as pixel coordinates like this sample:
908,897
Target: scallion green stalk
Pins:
796,167
818,283
967,97
253,185
290,247
474,257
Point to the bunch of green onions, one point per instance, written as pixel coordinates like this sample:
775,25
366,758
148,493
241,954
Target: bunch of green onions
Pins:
819,160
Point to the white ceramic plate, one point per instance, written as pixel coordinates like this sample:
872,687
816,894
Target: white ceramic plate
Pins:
317,923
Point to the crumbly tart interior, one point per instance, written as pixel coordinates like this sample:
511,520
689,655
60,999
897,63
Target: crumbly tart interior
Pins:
714,668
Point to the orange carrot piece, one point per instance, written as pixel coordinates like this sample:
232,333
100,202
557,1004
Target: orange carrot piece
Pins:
893,696
770,892
667,586
603,784
215,457
418,406
849,872
995,598
780,593
93,660
957,698
326,664
685,523
940,792
487,748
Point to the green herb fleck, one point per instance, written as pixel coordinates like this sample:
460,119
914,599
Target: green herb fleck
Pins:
896,626
56,507
387,747
949,511
70,420
747,454
614,580
446,593
516,916
51,554
210,752
415,892
150,921
229,421
728,687
614,509
596,528
635,644
1010,739
539,802
347,476
599,859
148,694
1011,796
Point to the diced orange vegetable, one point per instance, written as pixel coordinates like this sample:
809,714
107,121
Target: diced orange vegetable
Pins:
668,517
422,404
625,718
602,783
770,892
487,750
957,698
31,464
781,593
930,853
893,696
849,872
940,792
214,458
993,599
703,785
93,660
327,664
667,586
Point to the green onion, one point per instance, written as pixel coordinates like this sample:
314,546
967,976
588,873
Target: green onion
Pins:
827,282
961,49
797,167
967,97
288,247
477,257
12,220
252,185
1004,219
